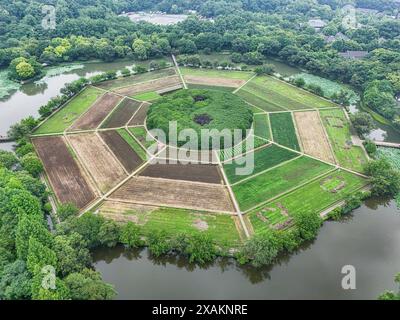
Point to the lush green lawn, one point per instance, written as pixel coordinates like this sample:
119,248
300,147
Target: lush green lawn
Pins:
314,197
270,184
253,94
137,78
147,96
220,227
132,142
338,128
283,130
261,126
264,159
285,95
241,148
213,73
69,113
390,154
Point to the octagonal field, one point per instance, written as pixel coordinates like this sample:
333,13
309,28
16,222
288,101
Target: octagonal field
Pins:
99,154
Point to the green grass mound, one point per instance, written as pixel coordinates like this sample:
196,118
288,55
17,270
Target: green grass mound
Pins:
201,109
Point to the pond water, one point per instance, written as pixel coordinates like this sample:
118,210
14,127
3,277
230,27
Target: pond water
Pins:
30,97
367,240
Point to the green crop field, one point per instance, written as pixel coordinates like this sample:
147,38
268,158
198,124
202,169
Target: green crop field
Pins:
339,132
241,148
283,130
270,184
264,159
137,78
261,126
147,96
322,198
219,227
132,142
254,94
70,112
212,73
285,95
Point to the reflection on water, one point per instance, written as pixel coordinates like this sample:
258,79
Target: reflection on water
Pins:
367,239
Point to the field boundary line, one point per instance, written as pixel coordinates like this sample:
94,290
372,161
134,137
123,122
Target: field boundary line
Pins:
178,70
46,135
327,137
117,94
111,152
233,198
291,190
109,114
82,165
119,185
134,114
270,127
273,103
244,84
266,170
86,112
253,105
297,132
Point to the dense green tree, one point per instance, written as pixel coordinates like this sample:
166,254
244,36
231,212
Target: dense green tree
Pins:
200,248
385,179
363,123
130,235
31,163
87,285
262,249
307,224
39,256
7,159
158,243
15,282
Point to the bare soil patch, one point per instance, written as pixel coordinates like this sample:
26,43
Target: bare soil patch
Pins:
153,85
179,194
121,116
99,161
188,172
220,82
122,150
189,156
68,181
97,113
140,116
313,136
200,225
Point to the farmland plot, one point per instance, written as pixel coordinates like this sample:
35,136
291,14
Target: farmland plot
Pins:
283,130
188,172
121,149
339,132
261,126
221,227
264,159
140,116
253,94
212,73
326,192
67,180
66,116
137,78
312,135
122,114
97,113
179,194
287,96
211,81
153,85
133,143
241,148
99,161
272,183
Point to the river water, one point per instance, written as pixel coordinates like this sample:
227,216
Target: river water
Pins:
368,240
